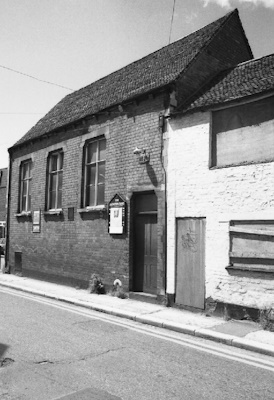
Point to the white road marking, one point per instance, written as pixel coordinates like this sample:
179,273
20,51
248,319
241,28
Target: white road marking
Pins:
230,353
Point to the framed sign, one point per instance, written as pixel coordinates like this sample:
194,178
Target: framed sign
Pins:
36,221
117,215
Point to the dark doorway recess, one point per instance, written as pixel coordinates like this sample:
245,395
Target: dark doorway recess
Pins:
145,243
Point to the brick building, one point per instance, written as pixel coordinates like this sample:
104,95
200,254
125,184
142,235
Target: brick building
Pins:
3,208
82,201
220,248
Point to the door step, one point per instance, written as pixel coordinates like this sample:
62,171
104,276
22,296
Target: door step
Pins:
145,297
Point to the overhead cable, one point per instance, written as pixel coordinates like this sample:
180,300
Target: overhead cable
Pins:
171,21
37,79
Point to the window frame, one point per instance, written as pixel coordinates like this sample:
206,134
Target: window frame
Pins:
58,172
98,161
258,231
27,180
252,118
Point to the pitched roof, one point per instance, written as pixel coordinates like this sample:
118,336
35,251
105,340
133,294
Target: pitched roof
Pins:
249,78
145,75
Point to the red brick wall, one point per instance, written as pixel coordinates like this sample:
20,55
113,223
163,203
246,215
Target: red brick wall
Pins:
73,250
3,189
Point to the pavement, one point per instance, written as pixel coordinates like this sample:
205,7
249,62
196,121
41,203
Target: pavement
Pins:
247,335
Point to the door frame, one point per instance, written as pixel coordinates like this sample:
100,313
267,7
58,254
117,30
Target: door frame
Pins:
146,268
161,234
134,215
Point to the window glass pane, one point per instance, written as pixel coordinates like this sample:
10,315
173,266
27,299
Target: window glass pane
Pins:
91,174
91,152
59,199
95,172
101,172
100,194
24,203
102,149
25,173
54,158
60,180
52,199
60,158
29,195
53,181
90,196
24,188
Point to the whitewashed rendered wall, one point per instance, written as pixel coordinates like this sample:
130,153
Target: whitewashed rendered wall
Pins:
193,190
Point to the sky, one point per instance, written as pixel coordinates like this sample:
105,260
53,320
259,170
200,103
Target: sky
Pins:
50,47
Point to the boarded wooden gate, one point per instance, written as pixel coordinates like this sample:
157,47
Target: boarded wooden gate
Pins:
252,246
190,262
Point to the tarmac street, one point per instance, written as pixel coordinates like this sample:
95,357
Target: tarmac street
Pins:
243,334
58,350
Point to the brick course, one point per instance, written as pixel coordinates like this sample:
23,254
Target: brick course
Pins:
3,190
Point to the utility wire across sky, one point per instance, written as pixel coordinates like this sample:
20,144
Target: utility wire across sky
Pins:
37,79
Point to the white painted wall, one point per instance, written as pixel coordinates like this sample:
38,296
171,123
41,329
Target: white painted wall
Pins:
193,190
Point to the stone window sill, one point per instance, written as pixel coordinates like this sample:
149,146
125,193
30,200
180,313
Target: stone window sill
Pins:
57,211
23,214
251,268
92,209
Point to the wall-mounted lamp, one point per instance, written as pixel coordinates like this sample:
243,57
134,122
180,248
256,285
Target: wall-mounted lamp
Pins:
141,154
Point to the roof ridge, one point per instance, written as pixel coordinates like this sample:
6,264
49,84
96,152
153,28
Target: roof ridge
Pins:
253,60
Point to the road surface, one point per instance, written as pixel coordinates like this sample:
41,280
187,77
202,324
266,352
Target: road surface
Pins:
51,350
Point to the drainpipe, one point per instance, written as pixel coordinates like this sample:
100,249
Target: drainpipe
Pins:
162,129
170,106
7,267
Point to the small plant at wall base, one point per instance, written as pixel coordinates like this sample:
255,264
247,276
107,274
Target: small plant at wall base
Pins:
96,285
117,290
267,319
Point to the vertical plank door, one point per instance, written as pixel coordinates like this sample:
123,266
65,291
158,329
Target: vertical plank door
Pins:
190,262
145,271
150,256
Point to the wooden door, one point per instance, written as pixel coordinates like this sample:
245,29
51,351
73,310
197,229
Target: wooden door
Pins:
145,255
190,263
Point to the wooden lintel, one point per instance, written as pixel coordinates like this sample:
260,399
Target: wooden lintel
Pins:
250,255
251,231
251,268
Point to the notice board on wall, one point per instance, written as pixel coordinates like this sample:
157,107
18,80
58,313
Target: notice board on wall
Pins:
36,221
117,215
